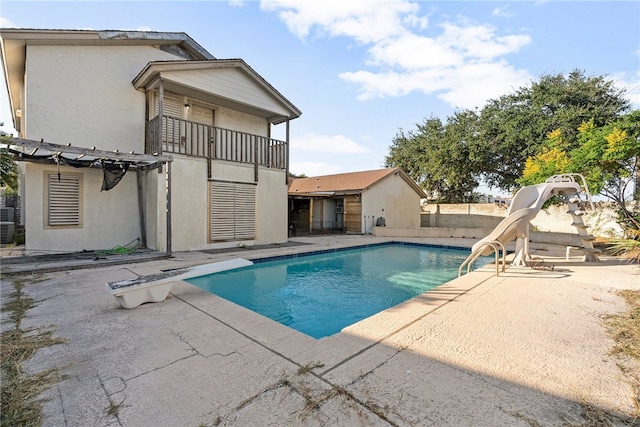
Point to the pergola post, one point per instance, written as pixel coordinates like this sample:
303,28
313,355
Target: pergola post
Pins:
168,188
143,225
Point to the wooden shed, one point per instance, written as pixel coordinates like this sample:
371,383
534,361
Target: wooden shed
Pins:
354,202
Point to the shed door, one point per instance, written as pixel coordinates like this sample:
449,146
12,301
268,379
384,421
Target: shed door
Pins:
353,215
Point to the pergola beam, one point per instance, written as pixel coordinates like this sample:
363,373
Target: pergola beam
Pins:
93,152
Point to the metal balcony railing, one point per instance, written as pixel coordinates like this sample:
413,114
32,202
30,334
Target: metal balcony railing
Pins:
168,134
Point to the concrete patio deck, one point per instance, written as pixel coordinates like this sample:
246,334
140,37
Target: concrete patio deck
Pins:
525,348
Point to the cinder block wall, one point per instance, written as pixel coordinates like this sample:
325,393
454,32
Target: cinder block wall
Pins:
555,219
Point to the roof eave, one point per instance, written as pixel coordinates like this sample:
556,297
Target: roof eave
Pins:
148,77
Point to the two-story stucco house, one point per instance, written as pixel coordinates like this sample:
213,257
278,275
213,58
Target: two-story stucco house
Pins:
122,99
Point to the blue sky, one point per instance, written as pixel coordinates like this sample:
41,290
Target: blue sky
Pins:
362,70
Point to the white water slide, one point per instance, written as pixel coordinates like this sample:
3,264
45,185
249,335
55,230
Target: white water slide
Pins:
525,206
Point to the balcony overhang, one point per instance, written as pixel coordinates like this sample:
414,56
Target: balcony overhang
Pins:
229,83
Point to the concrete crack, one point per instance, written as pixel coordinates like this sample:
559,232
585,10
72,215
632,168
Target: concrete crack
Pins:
161,367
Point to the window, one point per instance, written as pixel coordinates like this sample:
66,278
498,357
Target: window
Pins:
63,200
233,211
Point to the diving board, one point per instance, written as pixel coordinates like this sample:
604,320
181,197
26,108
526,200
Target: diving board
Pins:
131,293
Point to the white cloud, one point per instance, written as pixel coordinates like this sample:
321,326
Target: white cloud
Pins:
503,11
5,23
379,85
631,83
463,63
364,21
479,41
467,86
411,51
314,168
472,85
328,144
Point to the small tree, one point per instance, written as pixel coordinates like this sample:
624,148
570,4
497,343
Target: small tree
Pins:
8,169
607,156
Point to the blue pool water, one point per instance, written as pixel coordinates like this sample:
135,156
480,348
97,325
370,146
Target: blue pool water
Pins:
321,294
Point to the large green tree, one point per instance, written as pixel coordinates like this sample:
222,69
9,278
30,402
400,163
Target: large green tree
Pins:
493,143
515,126
436,155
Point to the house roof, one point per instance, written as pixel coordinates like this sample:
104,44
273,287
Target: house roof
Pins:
14,42
150,75
347,183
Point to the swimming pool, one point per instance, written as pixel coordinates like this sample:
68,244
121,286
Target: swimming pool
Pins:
320,294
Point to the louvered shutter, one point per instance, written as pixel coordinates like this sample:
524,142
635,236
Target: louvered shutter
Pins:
64,200
171,107
245,211
232,209
222,211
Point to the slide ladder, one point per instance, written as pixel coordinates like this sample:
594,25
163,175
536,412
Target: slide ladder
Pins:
578,206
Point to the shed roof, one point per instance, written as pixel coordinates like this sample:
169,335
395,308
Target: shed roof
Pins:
347,183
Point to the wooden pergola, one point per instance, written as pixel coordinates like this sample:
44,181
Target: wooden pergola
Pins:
139,162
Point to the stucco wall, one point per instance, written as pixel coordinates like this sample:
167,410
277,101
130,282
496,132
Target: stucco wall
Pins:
393,199
109,218
189,203
271,207
83,95
237,120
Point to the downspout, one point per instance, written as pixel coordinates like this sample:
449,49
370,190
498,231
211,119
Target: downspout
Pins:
140,175
168,174
286,162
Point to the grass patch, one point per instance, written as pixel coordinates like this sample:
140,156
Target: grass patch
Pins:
19,399
625,327
309,367
628,249
113,410
625,330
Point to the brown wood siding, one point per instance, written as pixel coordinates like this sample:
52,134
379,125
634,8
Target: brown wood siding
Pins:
352,214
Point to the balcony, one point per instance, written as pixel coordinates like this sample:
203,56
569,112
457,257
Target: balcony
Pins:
167,134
